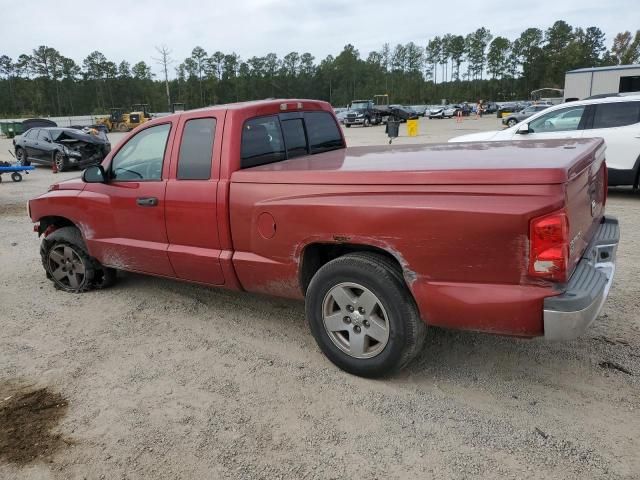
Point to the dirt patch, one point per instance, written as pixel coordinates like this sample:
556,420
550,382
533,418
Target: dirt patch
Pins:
28,417
13,210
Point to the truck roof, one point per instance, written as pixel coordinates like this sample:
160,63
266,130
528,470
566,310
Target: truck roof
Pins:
480,163
268,104
252,108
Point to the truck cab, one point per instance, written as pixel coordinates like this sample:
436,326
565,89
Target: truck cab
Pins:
361,112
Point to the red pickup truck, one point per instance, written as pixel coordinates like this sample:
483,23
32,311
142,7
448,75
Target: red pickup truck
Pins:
500,237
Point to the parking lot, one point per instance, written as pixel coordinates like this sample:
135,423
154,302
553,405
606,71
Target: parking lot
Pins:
159,379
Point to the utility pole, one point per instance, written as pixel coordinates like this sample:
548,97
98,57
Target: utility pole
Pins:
165,60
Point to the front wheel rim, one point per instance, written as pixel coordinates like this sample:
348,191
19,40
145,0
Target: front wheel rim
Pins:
20,158
66,267
59,161
355,320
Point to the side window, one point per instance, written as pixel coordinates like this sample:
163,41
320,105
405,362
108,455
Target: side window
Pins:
323,132
196,149
32,134
141,157
261,142
55,134
616,114
43,135
294,137
565,119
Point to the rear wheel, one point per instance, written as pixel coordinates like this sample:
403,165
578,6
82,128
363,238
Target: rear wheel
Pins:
21,157
512,122
16,177
362,315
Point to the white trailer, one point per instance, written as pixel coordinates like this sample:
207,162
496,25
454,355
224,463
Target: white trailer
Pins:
586,82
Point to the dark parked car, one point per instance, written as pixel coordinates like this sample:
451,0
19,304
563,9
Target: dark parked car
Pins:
509,108
490,107
421,110
513,118
67,147
465,108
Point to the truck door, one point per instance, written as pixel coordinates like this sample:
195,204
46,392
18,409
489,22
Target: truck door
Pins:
127,225
191,215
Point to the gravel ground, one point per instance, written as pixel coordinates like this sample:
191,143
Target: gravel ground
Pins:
159,379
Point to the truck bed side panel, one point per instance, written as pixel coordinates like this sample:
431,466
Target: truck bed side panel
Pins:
445,237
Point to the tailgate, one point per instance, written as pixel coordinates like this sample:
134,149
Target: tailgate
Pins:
586,194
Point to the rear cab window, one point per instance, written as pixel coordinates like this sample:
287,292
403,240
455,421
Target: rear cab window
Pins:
196,149
324,133
275,138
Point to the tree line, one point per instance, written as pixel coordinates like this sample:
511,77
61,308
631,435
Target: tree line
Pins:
455,67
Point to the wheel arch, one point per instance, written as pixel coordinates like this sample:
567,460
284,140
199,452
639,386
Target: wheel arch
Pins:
50,223
315,255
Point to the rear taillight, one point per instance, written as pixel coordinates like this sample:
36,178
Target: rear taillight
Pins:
549,247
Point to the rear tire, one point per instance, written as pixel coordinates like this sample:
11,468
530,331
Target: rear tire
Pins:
21,157
512,122
16,177
381,338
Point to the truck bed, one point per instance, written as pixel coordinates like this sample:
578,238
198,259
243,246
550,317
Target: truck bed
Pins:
451,214
474,163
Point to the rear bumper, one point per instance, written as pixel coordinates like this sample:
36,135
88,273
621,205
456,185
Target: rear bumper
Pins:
568,315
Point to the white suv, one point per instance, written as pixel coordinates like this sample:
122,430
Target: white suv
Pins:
616,119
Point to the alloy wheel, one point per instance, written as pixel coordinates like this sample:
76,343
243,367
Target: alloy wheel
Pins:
66,266
355,320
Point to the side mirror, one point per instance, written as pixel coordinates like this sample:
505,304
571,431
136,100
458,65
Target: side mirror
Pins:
523,129
47,139
94,174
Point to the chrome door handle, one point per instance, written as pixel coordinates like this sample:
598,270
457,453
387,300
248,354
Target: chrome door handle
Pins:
147,201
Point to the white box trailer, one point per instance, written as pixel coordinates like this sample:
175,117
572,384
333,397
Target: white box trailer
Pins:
586,82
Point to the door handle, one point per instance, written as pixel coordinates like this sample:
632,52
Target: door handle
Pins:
147,201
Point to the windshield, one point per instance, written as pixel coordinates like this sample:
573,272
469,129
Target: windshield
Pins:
359,105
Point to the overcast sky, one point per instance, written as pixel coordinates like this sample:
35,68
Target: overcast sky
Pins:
129,30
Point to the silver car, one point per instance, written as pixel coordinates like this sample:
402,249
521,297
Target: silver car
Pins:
517,117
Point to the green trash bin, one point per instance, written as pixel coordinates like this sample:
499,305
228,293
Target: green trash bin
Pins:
11,129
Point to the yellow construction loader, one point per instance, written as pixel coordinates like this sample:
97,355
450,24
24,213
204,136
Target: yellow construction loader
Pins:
120,121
